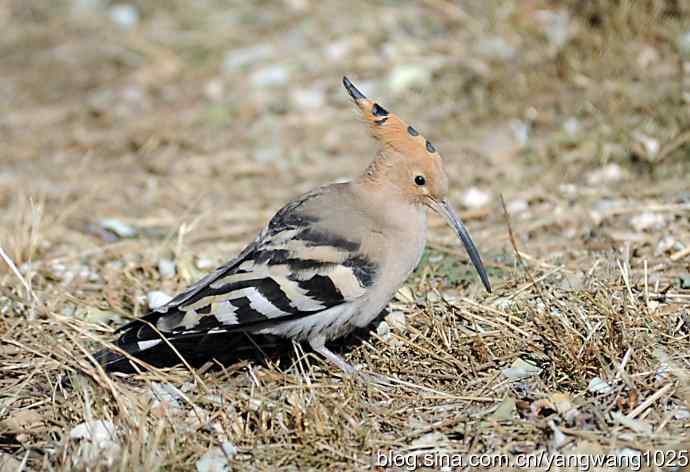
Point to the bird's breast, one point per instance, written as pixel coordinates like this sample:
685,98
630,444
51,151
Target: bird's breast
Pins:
404,249
399,253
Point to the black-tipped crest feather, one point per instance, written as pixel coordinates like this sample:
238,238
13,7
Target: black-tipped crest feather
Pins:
352,90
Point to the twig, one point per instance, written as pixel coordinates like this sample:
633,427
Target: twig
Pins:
626,280
515,249
675,143
538,279
680,254
469,301
440,393
10,263
511,327
648,402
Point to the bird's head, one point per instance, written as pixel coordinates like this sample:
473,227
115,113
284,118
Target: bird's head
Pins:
410,164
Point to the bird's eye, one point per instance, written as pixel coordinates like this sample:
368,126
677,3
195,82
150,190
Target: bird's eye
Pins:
420,180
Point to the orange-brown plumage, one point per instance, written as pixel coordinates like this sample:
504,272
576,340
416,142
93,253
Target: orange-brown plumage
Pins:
392,132
404,154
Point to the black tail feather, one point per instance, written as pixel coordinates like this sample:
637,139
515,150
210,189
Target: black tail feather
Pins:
226,348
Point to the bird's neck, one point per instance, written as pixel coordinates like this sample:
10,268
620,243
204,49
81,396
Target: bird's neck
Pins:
379,178
389,209
395,210
376,171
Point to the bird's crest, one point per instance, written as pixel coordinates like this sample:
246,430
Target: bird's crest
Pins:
389,129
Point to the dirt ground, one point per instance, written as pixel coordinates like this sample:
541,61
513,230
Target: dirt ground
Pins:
144,143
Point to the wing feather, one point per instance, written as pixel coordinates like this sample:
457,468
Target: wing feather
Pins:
293,269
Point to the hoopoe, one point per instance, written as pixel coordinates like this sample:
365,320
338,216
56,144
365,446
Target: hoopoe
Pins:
326,263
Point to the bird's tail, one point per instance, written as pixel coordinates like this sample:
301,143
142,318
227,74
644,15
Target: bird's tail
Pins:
195,349
137,339
157,354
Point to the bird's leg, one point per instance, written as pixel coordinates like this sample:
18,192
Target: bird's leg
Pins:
319,346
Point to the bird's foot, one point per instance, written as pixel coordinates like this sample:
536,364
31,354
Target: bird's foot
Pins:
368,378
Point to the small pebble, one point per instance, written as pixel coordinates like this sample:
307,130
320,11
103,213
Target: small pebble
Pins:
664,245
517,206
521,368
203,263
124,16
397,320
608,174
268,154
119,228
556,26
496,48
504,303
632,456
157,299
647,57
520,131
384,330
682,413
338,50
645,221
167,394
87,274
97,430
239,58
558,439
568,190
166,268
651,145
598,385
571,126
308,99
271,76
431,440
475,198
214,90
216,459
406,76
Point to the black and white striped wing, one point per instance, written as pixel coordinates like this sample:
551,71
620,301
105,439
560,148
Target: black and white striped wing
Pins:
292,270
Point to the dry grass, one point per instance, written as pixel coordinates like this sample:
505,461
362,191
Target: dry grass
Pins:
587,140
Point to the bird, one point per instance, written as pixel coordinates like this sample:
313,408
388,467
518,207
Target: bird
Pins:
326,263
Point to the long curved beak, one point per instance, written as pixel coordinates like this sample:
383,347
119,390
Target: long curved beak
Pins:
444,209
